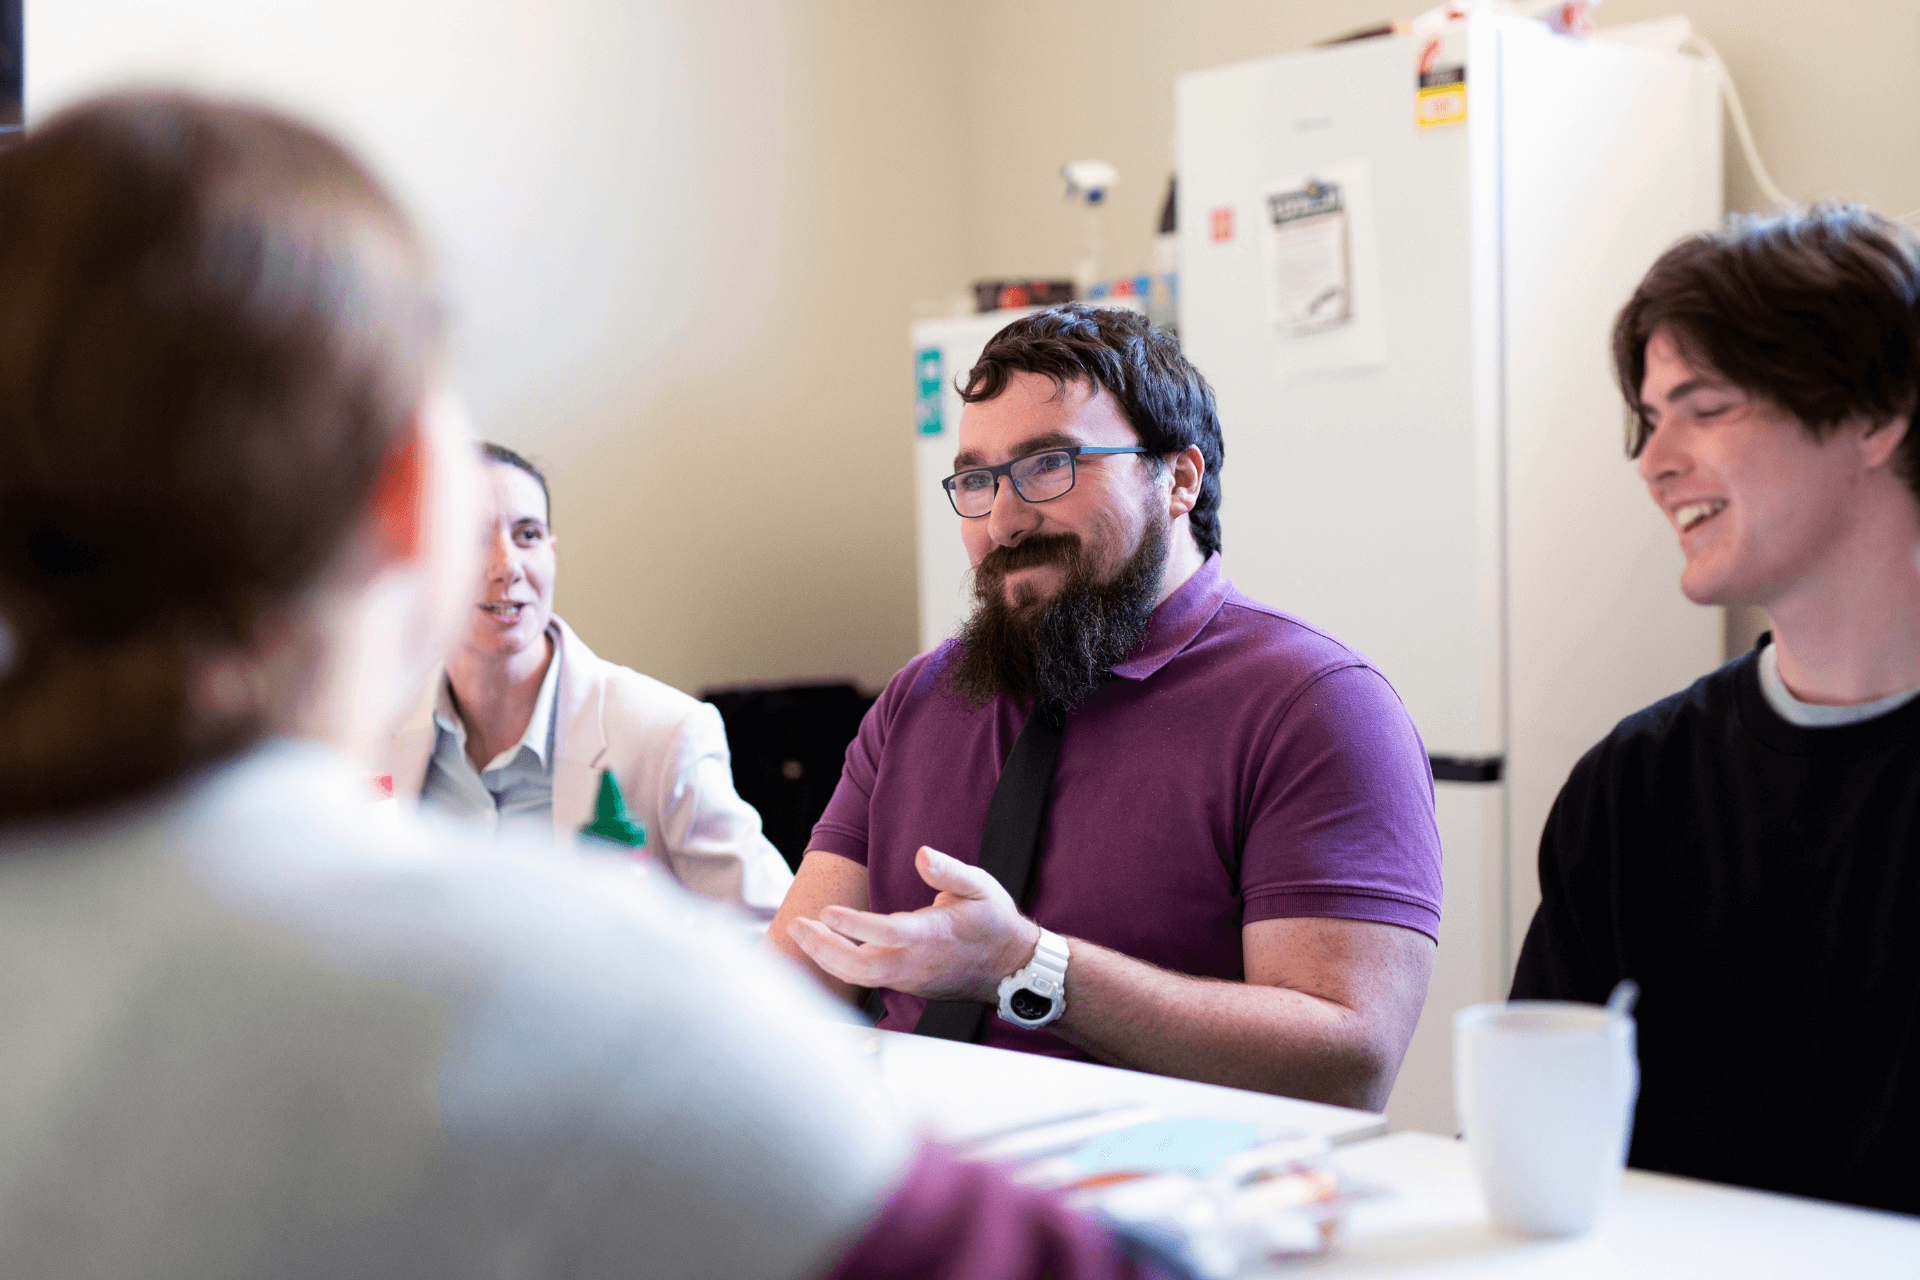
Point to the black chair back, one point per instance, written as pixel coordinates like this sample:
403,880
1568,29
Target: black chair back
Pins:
789,742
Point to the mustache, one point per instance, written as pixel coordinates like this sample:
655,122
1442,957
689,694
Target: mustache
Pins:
1056,651
1046,548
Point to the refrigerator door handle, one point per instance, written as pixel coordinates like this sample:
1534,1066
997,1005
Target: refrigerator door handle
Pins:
1467,768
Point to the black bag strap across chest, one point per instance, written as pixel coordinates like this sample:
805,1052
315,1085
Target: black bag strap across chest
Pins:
1009,846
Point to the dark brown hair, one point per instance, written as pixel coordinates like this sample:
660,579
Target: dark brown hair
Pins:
506,457
1817,310
215,325
1163,396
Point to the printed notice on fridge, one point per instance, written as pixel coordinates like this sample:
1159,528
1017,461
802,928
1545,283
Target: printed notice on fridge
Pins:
1308,286
1322,272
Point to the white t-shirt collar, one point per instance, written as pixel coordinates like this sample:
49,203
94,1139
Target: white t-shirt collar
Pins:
1811,715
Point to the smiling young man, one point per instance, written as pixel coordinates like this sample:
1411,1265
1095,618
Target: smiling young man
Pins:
528,717
1748,850
1237,875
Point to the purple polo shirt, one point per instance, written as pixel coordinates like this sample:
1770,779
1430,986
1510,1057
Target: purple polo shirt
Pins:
1243,766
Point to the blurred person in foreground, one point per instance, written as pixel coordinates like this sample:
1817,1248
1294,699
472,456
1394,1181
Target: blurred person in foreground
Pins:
251,1028
1748,850
526,718
1235,875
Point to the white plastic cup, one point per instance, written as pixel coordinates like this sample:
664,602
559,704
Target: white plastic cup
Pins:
1545,1092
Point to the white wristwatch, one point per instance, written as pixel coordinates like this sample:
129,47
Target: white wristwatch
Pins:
1036,995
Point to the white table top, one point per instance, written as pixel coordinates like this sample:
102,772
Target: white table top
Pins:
1432,1223
1435,1224
963,1091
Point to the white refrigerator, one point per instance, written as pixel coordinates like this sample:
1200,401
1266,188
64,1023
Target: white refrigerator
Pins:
1400,261
943,350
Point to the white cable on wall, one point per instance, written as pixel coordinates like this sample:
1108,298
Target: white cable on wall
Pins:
1740,126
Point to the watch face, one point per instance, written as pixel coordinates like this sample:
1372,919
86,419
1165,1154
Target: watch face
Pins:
1029,1005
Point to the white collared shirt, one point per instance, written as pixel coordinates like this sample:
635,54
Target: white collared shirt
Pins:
515,790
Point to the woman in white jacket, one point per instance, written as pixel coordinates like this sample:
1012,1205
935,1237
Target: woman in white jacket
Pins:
527,718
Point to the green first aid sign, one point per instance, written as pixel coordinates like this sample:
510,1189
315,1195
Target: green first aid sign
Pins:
927,412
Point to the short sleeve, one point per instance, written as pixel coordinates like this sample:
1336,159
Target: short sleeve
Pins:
1340,822
842,829
1569,952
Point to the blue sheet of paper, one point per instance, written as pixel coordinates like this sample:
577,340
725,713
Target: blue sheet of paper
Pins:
1194,1147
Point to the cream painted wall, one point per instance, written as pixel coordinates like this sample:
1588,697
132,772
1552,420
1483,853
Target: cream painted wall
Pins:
682,238
1831,90
685,238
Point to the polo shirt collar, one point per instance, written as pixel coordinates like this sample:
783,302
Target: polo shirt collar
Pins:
1177,620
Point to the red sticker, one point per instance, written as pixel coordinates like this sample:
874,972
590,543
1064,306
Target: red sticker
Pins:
1222,224
1427,56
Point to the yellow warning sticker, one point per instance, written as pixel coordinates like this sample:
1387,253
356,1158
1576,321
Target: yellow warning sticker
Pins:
1442,104
1442,96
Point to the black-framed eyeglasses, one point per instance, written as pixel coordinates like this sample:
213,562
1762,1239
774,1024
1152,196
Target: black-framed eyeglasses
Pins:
1038,477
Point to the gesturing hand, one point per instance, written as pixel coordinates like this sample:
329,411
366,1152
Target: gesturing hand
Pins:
957,949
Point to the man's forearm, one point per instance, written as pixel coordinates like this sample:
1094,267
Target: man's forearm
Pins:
823,878
1273,1039
1326,1012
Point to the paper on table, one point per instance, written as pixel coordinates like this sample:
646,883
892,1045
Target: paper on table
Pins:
1037,1139
1196,1147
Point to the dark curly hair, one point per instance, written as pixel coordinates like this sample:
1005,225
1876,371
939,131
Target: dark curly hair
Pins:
1162,395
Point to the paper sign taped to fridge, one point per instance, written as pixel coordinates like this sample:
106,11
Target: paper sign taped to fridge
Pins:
1325,301
1309,286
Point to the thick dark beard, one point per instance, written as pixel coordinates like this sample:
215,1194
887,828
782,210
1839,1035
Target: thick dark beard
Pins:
1056,652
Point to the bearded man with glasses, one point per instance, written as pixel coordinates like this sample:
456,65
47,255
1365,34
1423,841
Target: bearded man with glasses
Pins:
1141,817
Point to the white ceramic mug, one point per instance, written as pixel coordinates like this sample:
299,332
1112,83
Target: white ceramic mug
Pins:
1545,1092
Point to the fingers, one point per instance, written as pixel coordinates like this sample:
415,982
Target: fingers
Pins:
950,950
950,875
845,960
903,929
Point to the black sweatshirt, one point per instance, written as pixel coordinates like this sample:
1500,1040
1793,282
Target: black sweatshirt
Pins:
1761,882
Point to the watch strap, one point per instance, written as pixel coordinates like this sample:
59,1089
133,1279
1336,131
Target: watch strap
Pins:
1045,974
